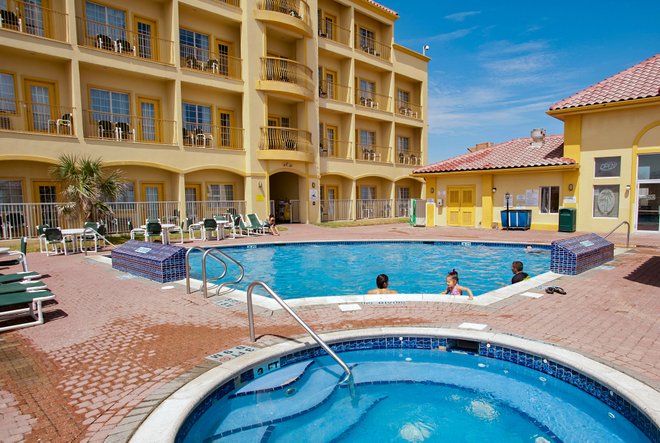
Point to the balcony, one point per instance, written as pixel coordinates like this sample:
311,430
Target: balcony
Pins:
334,32
124,128
234,3
124,42
292,14
373,47
286,76
278,143
33,19
334,91
373,153
203,60
338,149
408,109
409,158
371,100
18,116
212,136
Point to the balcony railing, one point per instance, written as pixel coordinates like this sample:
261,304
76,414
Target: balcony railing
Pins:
408,109
334,148
334,32
128,128
236,3
124,42
371,100
372,47
35,117
334,91
222,65
372,153
31,18
212,136
285,70
289,139
332,210
412,158
295,8
199,210
402,208
373,208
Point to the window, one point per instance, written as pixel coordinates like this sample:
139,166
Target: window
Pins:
367,192
649,167
607,167
330,78
196,117
146,30
367,39
225,118
402,145
11,191
7,94
105,21
403,97
367,89
194,47
110,106
218,192
367,138
127,195
34,17
549,203
606,201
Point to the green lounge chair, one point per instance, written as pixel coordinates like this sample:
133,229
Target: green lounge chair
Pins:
19,276
16,257
33,299
8,288
256,224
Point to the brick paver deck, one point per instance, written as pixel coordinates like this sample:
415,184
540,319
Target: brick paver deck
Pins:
112,343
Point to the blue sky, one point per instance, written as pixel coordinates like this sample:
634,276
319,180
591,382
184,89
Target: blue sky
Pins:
498,66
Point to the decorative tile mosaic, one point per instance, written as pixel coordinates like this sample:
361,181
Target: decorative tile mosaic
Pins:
161,263
575,255
545,366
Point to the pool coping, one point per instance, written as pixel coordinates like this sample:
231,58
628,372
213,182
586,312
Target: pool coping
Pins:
168,417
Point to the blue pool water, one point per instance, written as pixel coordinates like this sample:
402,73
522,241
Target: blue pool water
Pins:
410,395
322,269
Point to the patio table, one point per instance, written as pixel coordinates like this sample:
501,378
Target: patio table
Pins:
74,234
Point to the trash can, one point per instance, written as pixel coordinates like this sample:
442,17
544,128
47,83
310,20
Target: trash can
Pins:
567,218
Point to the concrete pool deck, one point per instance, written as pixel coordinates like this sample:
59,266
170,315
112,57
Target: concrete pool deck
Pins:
113,346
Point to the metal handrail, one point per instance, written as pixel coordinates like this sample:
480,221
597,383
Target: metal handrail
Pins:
326,348
204,287
617,227
211,252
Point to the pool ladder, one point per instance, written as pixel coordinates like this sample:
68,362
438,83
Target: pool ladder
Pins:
219,256
349,375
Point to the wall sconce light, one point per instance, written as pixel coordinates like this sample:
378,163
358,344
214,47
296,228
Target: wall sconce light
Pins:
260,184
494,189
313,185
432,190
627,187
570,187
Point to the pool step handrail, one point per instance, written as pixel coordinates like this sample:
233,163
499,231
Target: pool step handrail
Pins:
213,253
627,234
301,322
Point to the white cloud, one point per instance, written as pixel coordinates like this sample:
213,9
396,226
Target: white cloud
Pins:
440,38
460,16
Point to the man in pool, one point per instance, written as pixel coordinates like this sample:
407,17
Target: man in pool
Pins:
518,274
382,283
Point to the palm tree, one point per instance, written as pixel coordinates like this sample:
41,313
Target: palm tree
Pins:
86,187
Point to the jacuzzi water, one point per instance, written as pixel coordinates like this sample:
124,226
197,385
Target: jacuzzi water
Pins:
323,269
410,395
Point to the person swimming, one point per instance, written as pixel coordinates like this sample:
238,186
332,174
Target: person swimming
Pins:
453,288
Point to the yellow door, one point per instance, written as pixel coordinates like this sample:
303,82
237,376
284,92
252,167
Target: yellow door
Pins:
460,205
149,129
42,105
46,193
193,196
152,194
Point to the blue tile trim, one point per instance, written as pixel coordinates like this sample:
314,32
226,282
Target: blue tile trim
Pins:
549,367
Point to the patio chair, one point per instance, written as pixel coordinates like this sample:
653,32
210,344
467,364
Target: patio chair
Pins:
32,298
23,286
106,129
94,232
209,226
176,230
154,229
124,131
104,42
16,257
192,228
124,47
136,231
55,239
244,227
152,220
9,20
59,123
19,276
231,226
257,225
41,232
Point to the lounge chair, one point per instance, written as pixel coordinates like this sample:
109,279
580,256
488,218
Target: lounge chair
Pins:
209,226
16,257
256,224
8,288
33,299
244,227
19,276
231,226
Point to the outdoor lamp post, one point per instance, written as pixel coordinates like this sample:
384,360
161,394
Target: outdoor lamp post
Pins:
507,197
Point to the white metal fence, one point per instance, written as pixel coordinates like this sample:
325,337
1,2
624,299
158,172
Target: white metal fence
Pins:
373,208
332,210
199,210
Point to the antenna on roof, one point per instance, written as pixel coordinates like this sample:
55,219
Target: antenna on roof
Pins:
425,48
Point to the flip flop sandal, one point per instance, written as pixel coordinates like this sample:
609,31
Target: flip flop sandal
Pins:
550,290
559,290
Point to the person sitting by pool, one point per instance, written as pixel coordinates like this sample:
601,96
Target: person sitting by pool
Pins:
270,224
453,288
531,250
518,274
382,283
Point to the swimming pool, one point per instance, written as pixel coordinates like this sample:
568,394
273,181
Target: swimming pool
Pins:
406,389
298,270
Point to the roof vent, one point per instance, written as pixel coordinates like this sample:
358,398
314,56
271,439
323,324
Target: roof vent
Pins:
480,146
538,137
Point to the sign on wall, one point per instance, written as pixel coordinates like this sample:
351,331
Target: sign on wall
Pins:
608,167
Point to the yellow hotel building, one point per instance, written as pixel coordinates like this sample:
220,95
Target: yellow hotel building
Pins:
307,109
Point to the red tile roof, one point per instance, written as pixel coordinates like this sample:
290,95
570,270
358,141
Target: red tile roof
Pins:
516,153
639,81
385,8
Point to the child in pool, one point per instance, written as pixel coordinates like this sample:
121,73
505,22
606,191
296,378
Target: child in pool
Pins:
453,288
